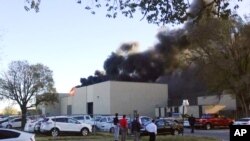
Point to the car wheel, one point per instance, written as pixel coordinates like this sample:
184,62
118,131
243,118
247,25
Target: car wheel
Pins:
8,126
54,132
112,130
175,132
84,131
208,126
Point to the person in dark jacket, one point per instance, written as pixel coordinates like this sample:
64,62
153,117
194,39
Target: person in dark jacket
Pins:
116,128
136,126
191,121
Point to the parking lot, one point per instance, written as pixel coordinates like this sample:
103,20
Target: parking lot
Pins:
221,134
102,130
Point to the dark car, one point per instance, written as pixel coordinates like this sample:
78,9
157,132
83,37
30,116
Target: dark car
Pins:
166,126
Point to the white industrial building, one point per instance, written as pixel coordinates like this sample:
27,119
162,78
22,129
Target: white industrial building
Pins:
114,96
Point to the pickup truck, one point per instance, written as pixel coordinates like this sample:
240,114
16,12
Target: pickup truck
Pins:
209,121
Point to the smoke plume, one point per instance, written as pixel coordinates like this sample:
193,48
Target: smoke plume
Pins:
159,64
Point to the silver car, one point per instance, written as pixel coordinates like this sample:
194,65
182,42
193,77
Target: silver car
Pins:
242,121
15,135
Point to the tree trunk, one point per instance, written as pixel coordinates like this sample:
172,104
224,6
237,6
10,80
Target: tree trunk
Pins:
24,112
244,105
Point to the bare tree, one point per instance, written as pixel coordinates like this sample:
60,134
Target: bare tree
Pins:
23,82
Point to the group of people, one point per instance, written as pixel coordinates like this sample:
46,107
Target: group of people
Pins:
151,128
120,125
136,126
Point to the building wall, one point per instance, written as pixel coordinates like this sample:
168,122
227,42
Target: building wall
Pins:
64,103
123,97
90,93
100,97
224,99
54,109
142,97
79,101
194,110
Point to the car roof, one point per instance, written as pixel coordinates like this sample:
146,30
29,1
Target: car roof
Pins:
77,116
58,117
7,129
14,130
245,118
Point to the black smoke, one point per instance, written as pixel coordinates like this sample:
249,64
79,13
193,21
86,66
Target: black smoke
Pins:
127,64
158,64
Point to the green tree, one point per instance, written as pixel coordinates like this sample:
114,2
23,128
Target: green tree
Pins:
23,82
221,49
155,11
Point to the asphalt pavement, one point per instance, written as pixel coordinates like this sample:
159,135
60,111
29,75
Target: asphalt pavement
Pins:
221,134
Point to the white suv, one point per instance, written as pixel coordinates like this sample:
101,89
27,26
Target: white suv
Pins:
59,124
84,119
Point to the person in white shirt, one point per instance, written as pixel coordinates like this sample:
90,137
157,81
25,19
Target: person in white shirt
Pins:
152,130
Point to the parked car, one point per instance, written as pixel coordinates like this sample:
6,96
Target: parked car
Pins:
33,125
166,126
5,119
186,123
242,121
109,126
84,119
2,117
103,120
13,123
15,135
174,116
209,121
63,124
144,120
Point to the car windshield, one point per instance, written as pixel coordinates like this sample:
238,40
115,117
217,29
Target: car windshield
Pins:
208,116
79,117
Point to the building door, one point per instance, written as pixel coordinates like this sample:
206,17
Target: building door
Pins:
90,108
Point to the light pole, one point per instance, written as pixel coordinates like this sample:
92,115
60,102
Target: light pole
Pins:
184,104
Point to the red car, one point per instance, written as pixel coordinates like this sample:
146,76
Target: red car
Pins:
209,121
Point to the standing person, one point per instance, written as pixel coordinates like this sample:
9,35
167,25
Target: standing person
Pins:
191,121
124,127
152,130
116,128
136,126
